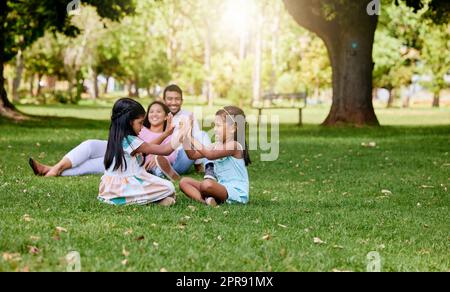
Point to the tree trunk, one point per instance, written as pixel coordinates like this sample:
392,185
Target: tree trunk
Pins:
18,78
7,109
207,86
391,98
39,87
349,40
352,65
107,84
95,77
136,88
32,85
258,56
70,89
406,100
436,101
275,44
5,104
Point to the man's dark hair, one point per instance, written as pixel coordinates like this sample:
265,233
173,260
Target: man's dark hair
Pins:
173,88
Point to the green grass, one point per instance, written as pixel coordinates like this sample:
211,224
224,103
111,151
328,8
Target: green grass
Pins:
324,184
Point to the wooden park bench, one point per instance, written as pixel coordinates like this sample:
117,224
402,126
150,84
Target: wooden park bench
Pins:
282,101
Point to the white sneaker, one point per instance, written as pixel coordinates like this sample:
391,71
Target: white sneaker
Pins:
210,201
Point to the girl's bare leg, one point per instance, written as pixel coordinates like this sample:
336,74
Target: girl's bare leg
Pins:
191,188
210,188
58,168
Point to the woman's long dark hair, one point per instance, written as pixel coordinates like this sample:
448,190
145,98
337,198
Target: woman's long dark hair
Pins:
165,108
236,115
124,112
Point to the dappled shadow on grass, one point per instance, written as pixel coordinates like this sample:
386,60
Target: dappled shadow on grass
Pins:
286,130
55,123
321,131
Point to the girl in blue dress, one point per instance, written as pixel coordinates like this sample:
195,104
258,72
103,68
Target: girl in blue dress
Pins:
230,156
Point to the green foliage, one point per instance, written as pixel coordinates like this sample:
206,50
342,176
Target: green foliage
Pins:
23,22
435,55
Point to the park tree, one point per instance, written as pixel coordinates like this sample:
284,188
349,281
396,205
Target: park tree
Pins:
348,28
397,49
23,22
435,57
45,57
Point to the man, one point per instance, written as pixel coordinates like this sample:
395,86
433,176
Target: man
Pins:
173,98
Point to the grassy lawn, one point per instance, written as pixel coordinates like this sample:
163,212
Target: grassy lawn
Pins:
392,198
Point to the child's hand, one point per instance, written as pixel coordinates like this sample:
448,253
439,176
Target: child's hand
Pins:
150,162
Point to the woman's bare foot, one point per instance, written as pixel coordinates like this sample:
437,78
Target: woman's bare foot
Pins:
38,168
53,172
56,170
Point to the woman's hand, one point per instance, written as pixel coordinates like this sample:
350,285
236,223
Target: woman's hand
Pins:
170,127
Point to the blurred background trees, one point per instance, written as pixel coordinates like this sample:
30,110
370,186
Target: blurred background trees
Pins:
233,49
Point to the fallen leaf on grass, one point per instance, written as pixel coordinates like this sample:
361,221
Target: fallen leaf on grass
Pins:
155,244
386,192
317,240
140,238
125,252
340,271
27,218
61,229
33,250
124,262
338,246
369,145
426,187
267,237
282,226
35,238
163,270
192,208
128,231
11,257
